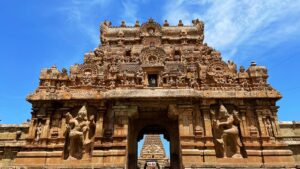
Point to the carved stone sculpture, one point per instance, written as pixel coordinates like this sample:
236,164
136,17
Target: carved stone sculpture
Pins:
79,135
226,124
269,128
38,132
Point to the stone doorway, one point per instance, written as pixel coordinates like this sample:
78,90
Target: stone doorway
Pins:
153,152
157,123
152,80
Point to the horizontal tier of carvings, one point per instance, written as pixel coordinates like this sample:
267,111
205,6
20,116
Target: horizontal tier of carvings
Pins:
189,70
154,62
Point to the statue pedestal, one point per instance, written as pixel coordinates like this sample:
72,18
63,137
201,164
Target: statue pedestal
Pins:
238,162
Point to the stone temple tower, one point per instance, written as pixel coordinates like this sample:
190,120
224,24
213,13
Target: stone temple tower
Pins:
152,78
153,153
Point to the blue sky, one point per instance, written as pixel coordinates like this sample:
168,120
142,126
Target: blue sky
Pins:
37,34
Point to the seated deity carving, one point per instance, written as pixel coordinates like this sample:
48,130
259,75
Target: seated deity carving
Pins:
79,135
227,136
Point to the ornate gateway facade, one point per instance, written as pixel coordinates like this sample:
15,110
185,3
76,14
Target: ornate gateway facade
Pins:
151,79
153,155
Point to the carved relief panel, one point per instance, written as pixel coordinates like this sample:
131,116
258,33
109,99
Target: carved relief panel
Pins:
226,132
198,122
79,135
186,121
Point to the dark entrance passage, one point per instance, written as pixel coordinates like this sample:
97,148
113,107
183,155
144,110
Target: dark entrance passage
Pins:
157,123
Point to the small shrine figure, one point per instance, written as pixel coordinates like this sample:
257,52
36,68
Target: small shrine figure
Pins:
227,126
193,83
243,77
232,67
140,77
38,132
112,84
269,128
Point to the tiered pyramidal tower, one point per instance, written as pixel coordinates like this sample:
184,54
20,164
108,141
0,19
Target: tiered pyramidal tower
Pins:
152,78
153,153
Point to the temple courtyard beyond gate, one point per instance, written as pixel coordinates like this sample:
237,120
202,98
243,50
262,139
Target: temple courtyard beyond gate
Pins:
148,80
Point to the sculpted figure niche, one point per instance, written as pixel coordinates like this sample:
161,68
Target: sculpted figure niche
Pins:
38,132
269,128
79,135
226,131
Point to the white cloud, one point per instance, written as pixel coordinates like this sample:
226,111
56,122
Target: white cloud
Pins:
78,13
129,12
228,24
231,23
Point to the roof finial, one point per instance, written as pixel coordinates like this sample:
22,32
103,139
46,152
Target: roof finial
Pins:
253,63
123,24
242,69
180,23
151,20
166,23
137,24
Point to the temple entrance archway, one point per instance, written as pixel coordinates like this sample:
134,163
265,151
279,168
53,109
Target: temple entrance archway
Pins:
157,123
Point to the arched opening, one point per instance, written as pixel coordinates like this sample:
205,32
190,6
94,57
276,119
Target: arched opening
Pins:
153,152
156,125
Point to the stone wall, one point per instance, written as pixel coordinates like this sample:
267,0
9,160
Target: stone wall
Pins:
12,138
290,131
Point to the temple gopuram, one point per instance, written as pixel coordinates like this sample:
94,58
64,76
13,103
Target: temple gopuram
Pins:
152,79
153,154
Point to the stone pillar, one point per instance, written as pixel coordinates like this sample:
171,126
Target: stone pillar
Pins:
243,123
205,109
122,113
31,133
99,123
108,122
274,110
262,128
209,154
252,123
198,123
185,119
63,122
121,121
56,128
146,83
273,152
38,115
190,154
46,127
